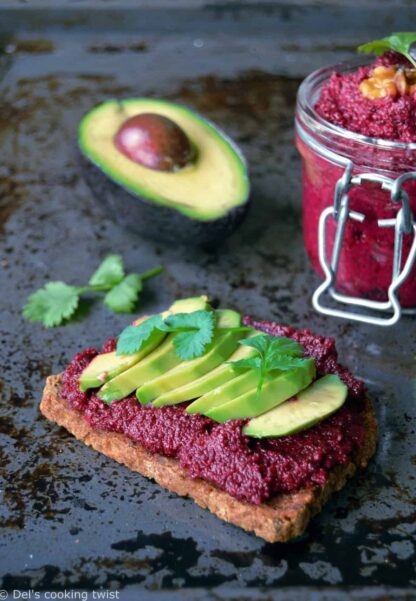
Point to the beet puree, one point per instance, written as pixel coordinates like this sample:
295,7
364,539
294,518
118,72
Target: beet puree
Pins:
389,118
366,260
248,469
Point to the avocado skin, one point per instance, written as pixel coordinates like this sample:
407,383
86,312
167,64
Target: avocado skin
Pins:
154,221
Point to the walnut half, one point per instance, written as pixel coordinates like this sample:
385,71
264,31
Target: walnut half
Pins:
389,81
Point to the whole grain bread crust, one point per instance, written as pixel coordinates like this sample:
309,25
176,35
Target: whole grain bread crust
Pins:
283,517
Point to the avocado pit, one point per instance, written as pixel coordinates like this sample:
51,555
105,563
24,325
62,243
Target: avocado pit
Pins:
155,142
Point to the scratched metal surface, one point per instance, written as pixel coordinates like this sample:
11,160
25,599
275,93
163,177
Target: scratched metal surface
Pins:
72,518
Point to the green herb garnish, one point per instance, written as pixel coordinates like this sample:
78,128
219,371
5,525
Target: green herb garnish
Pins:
193,332
399,42
52,304
274,353
132,338
57,301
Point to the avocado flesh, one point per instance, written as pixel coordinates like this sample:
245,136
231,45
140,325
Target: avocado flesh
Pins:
275,390
188,371
312,405
107,366
224,394
161,359
188,305
227,318
157,362
208,382
206,190
223,345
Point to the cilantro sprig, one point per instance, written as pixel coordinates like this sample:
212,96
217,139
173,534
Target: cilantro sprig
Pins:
273,353
400,42
133,337
193,332
57,301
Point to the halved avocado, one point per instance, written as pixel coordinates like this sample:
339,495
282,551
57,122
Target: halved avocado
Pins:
200,203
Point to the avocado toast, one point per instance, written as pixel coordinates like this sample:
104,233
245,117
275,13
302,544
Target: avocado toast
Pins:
254,471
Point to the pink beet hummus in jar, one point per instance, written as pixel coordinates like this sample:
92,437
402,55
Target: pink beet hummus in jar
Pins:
335,135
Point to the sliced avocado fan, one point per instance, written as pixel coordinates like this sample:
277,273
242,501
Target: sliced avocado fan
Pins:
154,355
223,345
288,402
106,366
226,392
276,389
209,381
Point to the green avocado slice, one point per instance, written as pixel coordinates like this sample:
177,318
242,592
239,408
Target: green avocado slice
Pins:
214,184
275,390
225,393
107,366
187,371
188,305
153,363
223,345
208,382
321,399
157,362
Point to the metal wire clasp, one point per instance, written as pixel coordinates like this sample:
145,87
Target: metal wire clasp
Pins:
403,224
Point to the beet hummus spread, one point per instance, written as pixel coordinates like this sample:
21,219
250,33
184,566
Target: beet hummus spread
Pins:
391,117
377,101
248,469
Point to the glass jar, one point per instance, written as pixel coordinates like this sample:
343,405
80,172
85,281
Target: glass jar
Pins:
365,265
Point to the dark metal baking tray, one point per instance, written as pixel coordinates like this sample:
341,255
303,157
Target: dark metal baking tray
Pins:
72,518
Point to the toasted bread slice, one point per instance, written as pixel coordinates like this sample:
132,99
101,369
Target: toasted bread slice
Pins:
278,520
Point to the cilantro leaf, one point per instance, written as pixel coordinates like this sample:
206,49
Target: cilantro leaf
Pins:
283,347
376,47
132,338
400,42
260,343
124,296
266,344
248,363
194,332
109,273
283,362
274,353
189,345
52,304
